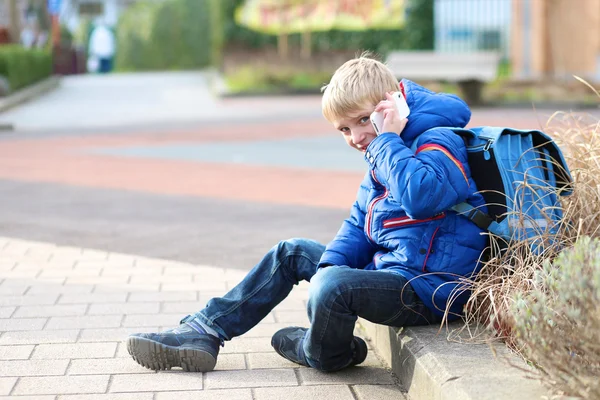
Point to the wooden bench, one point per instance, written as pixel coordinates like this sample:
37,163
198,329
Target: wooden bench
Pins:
471,71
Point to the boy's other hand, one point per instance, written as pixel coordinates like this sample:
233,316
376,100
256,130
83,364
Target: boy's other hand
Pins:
391,117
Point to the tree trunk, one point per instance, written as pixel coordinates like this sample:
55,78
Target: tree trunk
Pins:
15,23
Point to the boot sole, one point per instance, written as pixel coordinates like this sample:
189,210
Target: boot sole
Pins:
159,357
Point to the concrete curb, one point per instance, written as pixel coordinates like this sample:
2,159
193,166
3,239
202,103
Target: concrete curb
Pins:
29,92
432,368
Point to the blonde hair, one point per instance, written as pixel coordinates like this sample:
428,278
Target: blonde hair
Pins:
360,82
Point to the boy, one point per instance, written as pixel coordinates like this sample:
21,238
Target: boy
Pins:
395,261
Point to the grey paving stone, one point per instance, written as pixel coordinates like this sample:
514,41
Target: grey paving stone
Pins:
227,362
329,392
181,307
113,270
226,394
68,273
111,287
152,320
247,345
105,321
91,366
108,396
154,382
299,318
170,279
268,360
194,286
12,290
72,351
378,392
33,368
51,397
69,298
6,312
122,351
23,324
44,299
111,334
123,308
36,337
15,352
62,385
265,330
6,385
163,296
59,288
350,376
51,311
104,283
250,378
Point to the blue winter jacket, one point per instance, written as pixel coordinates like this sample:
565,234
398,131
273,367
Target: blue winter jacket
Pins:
401,220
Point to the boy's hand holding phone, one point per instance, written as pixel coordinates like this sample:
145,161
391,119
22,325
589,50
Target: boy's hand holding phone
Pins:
390,114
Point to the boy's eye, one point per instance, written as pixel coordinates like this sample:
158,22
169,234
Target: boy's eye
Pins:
344,130
364,120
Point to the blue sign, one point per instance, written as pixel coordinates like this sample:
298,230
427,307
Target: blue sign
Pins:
54,7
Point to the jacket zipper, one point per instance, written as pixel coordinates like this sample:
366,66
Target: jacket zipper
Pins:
430,246
395,222
371,206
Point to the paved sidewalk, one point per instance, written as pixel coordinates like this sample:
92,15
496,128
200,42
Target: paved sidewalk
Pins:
64,313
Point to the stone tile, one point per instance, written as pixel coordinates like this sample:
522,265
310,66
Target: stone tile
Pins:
111,334
247,345
123,308
51,311
104,287
378,392
51,397
227,394
22,324
17,274
163,296
62,385
15,352
12,290
110,270
193,286
122,351
103,366
45,299
109,396
36,337
228,362
71,351
170,279
6,312
33,368
105,321
59,288
70,273
291,304
154,382
350,376
152,320
250,378
292,317
6,385
329,392
265,330
182,307
69,298
109,282
269,360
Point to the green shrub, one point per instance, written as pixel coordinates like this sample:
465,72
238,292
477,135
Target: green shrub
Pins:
174,34
260,80
22,67
558,321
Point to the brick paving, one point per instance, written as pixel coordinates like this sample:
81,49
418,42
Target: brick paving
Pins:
65,312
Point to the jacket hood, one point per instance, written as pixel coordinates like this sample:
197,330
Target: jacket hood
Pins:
430,109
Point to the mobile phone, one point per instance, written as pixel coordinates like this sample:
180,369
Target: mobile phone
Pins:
401,106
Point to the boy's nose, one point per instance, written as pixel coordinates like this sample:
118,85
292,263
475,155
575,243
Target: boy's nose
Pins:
358,137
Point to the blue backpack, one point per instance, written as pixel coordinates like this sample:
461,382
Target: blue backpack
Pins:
521,174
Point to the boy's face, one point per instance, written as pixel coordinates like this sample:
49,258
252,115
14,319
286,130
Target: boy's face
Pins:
357,129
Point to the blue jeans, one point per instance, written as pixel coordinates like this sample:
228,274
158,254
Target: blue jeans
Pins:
338,295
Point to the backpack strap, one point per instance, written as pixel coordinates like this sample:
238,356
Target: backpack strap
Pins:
479,218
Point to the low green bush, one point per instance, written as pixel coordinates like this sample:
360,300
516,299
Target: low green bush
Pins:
22,67
257,80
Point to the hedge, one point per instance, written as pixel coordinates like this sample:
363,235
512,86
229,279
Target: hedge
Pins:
22,67
174,34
